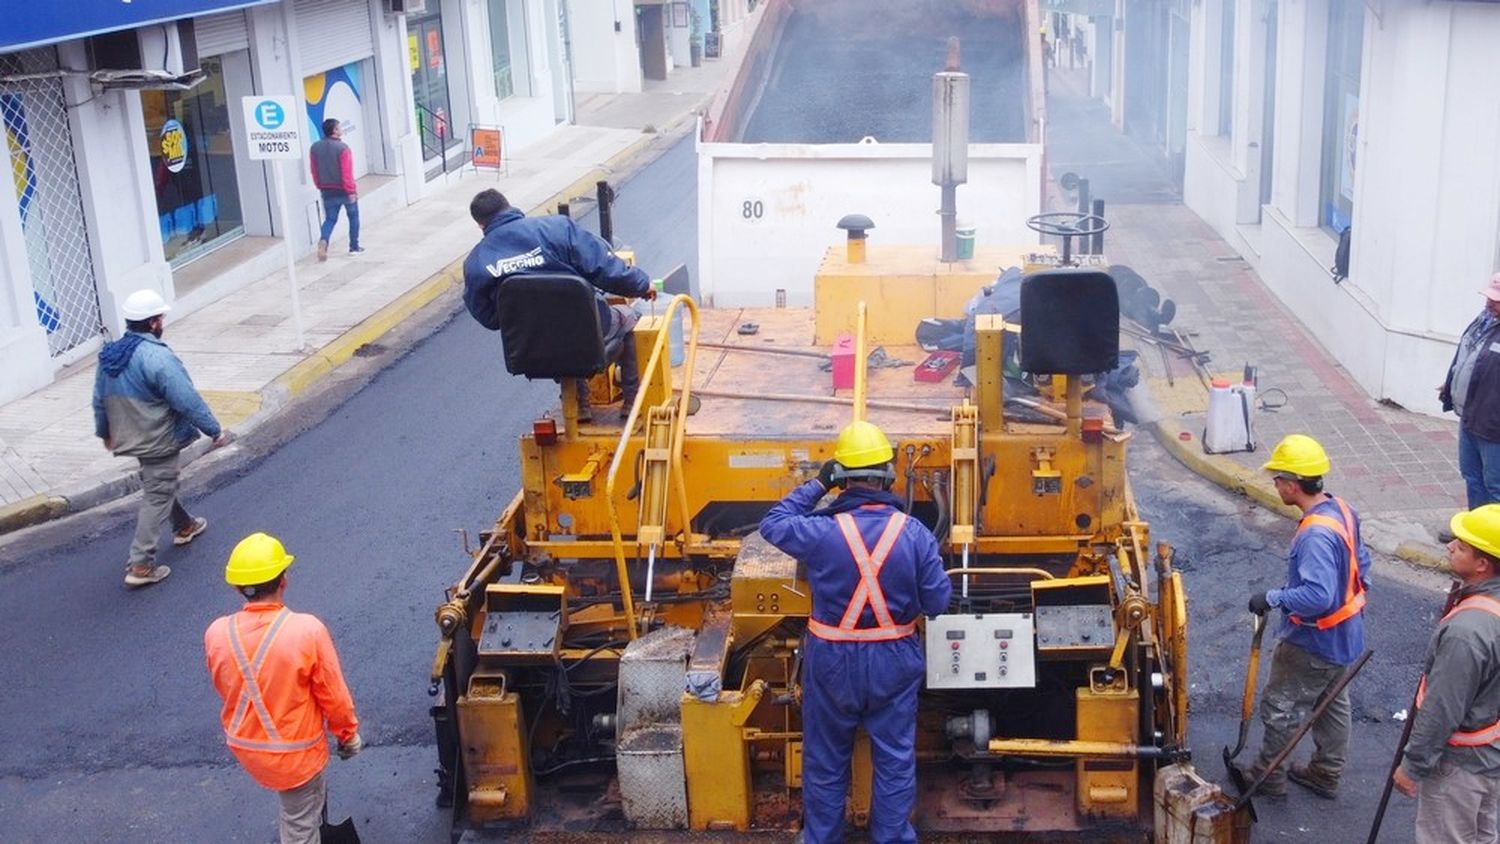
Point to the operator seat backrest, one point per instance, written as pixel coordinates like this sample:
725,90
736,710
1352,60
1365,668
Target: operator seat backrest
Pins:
549,325
1070,322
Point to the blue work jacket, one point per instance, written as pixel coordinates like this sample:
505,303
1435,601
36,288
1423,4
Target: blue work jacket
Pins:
515,243
144,400
912,578
1317,581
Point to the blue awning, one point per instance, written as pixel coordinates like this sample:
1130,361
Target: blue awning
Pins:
51,21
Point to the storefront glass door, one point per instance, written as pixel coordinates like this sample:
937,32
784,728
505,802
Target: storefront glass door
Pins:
192,166
429,84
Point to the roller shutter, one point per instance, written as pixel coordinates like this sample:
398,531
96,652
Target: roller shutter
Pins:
333,33
219,34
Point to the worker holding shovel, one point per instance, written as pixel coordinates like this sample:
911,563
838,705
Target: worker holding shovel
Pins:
1323,632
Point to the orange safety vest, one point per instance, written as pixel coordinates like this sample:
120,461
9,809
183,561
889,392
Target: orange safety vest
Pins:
1354,592
868,593
280,680
1471,738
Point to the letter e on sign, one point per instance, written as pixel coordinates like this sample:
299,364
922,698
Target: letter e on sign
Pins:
270,131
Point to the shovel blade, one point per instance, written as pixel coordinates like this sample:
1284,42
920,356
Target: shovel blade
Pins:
339,833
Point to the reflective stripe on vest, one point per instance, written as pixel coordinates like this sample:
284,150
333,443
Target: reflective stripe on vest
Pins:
868,593
1471,738
1354,592
251,697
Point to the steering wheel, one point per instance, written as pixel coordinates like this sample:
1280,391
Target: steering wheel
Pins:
1067,224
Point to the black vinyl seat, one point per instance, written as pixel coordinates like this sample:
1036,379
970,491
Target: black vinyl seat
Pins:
1070,322
549,325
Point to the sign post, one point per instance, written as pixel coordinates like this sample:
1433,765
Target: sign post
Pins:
272,134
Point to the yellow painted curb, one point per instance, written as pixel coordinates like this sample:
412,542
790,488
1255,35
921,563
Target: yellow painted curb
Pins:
1426,556
303,375
231,407
1221,471
31,511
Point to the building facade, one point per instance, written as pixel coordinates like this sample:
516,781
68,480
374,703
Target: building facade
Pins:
1309,117
140,184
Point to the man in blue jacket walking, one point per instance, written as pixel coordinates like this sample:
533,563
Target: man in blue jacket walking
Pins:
514,243
145,406
1328,571
873,571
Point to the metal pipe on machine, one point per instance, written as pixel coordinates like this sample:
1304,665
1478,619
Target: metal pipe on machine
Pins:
950,143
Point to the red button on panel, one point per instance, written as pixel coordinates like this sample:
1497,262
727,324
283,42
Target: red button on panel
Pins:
1004,645
955,646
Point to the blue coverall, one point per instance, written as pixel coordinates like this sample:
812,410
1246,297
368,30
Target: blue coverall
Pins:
1317,580
847,684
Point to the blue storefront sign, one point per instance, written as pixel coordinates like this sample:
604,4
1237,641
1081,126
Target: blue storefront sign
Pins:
51,21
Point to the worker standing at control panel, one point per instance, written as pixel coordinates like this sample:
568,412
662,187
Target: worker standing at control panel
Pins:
873,571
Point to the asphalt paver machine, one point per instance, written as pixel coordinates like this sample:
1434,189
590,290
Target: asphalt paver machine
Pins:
623,649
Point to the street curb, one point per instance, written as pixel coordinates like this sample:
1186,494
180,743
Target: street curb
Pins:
1252,485
305,374
1425,556
31,511
1189,452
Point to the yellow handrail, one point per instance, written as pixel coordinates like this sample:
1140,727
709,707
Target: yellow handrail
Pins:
627,596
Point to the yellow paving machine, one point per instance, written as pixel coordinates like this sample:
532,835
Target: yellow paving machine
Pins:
623,651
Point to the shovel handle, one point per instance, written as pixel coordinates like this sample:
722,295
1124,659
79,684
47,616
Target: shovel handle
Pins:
1247,705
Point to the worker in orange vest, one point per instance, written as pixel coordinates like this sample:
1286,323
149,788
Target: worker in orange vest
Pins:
1452,762
279,677
1328,570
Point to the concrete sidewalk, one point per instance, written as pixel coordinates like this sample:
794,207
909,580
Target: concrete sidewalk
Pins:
1398,468
242,350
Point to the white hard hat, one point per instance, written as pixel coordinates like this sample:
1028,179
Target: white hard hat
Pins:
144,304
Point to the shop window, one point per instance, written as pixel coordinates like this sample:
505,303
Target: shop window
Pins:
508,48
1346,30
192,166
429,82
1226,68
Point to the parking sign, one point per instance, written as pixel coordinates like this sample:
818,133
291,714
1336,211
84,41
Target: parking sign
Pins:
271,127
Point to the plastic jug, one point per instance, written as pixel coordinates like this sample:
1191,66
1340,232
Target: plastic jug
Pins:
1226,429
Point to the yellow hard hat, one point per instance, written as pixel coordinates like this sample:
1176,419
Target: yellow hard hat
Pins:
861,444
259,558
1300,455
1479,527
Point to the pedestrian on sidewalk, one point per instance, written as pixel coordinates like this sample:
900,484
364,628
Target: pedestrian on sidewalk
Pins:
1323,630
279,676
1452,761
514,243
333,174
145,406
1472,392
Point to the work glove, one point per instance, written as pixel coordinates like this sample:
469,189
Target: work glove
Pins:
347,749
825,475
1259,604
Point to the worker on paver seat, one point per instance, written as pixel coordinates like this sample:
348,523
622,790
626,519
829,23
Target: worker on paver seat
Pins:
1452,761
873,571
282,687
1328,569
514,243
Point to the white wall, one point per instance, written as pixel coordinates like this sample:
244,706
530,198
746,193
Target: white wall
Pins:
604,61
805,189
1427,182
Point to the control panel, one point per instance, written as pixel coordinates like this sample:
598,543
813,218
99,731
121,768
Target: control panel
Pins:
990,651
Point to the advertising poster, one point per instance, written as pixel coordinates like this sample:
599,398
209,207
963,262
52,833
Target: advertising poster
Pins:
485,144
337,93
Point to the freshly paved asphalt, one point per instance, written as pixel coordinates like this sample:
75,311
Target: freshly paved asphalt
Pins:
110,727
